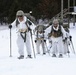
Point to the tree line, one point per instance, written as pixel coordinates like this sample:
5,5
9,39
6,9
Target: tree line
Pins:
39,8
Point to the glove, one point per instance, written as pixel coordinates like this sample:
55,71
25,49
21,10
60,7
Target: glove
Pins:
70,37
35,41
65,39
10,26
44,40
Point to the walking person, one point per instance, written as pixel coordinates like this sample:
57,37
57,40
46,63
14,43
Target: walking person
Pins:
23,34
40,39
56,35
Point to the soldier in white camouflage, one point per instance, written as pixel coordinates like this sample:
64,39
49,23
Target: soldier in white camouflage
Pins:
40,39
23,34
56,35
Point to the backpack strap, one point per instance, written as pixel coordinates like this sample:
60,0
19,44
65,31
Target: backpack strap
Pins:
23,37
27,25
17,22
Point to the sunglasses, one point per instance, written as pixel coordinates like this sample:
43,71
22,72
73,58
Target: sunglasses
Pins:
19,16
56,24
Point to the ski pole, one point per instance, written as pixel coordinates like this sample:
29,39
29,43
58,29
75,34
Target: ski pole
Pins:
67,49
73,46
32,44
66,45
10,44
47,48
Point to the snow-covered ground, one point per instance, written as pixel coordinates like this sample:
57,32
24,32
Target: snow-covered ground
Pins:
41,65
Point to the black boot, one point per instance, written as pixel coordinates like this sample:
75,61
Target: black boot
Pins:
54,55
60,55
21,57
44,53
29,56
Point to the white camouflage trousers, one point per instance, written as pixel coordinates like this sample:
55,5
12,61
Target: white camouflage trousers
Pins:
40,43
20,44
57,45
